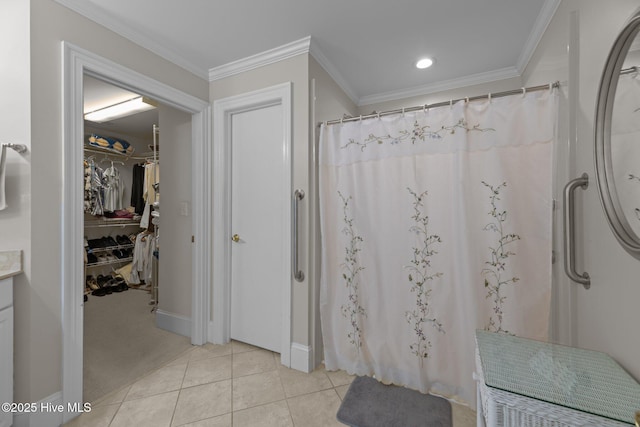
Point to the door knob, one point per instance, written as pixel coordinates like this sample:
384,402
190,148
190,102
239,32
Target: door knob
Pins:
235,238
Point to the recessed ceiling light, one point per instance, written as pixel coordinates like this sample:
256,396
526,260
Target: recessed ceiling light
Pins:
424,63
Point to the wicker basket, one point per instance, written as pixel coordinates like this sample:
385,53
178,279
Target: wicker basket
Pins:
500,408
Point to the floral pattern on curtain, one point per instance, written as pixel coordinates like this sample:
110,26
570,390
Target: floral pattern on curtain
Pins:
434,224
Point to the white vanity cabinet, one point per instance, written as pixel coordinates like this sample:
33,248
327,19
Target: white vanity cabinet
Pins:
10,265
6,348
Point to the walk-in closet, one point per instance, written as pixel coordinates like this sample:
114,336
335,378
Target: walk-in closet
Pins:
128,329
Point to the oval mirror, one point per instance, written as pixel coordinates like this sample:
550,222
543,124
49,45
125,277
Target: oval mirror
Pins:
617,137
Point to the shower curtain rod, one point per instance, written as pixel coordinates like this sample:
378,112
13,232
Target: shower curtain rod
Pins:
442,104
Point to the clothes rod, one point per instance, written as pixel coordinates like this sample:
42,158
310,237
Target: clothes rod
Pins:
442,104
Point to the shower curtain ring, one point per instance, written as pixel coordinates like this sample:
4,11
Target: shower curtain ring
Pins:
524,91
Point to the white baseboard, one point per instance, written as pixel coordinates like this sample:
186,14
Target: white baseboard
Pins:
301,357
48,412
173,323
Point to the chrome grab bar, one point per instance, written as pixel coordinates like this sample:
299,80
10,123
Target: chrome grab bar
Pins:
297,274
569,230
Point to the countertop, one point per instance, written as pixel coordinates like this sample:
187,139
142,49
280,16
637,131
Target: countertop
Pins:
10,263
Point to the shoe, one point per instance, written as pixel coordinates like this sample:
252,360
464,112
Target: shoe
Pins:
99,292
92,283
120,284
123,240
94,243
110,242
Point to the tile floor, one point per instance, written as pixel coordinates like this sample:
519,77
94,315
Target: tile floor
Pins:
230,385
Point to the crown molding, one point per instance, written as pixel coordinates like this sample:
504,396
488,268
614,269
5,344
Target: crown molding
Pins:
475,79
116,26
539,27
333,72
267,57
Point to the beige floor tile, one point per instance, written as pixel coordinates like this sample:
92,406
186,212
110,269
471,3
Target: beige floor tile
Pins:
315,409
257,389
153,411
296,383
211,350
203,402
98,417
111,398
339,378
462,416
240,347
167,378
207,371
342,390
270,415
253,362
220,421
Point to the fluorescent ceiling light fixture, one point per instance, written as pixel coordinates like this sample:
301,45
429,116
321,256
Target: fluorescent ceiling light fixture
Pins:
122,109
424,63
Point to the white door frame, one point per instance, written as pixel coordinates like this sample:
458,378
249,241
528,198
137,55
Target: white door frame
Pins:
78,62
223,110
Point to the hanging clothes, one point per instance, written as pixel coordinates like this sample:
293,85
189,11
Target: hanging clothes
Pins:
94,188
113,189
141,269
151,177
150,195
137,188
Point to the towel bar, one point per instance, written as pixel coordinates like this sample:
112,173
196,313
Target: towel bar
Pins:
20,148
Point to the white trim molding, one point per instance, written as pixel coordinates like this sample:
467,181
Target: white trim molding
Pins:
328,66
475,79
223,111
540,26
77,63
301,357
173,323
267,57
89,10
47,412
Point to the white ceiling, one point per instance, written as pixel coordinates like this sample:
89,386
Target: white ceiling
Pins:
369,48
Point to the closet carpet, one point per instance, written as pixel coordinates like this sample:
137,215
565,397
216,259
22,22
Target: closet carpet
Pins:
122,343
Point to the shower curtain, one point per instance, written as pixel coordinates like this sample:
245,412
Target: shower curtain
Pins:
434,224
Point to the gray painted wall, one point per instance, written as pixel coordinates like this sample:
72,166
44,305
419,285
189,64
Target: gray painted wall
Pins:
37,78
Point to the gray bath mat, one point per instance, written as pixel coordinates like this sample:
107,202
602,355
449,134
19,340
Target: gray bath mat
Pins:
369,403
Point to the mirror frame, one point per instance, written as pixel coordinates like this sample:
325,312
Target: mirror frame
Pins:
616,218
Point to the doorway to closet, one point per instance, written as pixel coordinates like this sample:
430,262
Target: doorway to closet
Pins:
78,64
127,330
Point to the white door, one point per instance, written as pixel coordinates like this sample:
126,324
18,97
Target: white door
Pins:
258,223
